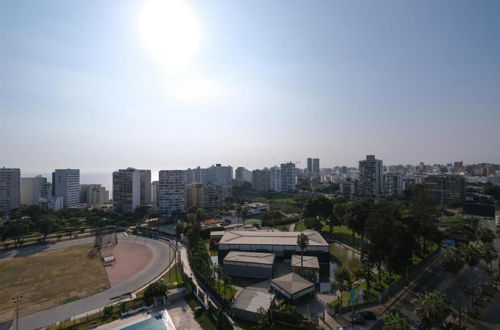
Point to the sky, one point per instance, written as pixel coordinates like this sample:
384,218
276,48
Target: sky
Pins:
102,85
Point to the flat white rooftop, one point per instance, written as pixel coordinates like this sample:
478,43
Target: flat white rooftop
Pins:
309,262
250,257
270,237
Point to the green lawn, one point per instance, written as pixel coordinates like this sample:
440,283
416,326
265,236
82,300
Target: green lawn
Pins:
253,221
278,201
173,278
219,287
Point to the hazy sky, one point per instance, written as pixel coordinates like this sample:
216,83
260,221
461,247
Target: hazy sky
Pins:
268,82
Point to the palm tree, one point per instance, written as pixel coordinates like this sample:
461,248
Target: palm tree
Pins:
302,242
472,256
396,321
432,309
244,214
489,253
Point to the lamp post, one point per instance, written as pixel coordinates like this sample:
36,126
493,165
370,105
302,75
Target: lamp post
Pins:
17,300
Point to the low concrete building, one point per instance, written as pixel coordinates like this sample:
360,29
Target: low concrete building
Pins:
310,263
249,264
292,287
249,301
215,236
256,208
281,243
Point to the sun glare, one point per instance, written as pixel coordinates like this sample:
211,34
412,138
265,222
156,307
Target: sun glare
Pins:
169,30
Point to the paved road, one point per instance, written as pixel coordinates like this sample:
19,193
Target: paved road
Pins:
162,256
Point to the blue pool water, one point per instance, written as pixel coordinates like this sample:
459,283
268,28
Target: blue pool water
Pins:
149,324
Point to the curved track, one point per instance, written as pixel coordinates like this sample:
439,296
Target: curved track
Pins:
162,257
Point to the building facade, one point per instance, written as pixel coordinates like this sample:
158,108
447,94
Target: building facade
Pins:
66,184
371,173
145,184
172,192
261,180
242,175
10,188
276,178
32,189
445,188
97,195
393,184
126,189
288,177
312,167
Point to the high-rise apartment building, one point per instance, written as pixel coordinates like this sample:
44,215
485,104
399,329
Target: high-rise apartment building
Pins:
10,188
288,177
261,180
126,189
154,193
393,184
145,190
242,175
312,167
96,195
371,173
276,178
196,196
171,192
444,188
66,184
32,189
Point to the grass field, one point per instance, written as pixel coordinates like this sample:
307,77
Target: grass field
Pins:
49,278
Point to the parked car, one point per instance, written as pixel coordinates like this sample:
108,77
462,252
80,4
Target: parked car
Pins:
368,315
358,319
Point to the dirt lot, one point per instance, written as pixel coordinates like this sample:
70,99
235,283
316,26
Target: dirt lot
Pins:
49,278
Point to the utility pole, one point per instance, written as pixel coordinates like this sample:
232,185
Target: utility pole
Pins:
17,300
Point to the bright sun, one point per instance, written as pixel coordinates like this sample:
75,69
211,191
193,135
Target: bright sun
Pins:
169,29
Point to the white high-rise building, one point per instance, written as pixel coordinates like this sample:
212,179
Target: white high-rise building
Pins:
242,175
145,179
276,178
371,173
66,184
288,177
126,189
32,189
97,195
10,188
172,192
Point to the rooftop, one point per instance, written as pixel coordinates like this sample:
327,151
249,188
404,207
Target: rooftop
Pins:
271,237
250,300
292,283
216,233
309,261
250,257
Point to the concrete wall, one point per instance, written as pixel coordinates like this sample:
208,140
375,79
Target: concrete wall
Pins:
248,271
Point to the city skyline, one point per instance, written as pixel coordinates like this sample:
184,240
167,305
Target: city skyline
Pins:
84,87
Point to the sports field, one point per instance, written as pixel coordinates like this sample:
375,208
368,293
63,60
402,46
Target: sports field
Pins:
49,278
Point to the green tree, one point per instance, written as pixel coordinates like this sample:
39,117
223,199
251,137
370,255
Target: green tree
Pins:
485,235
424,215
343,279
432,309
318,207
302,242
356,215
154,290
263,319
489,254
453,260
396,321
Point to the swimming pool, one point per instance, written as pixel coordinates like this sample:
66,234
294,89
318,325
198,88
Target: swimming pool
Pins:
149,324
